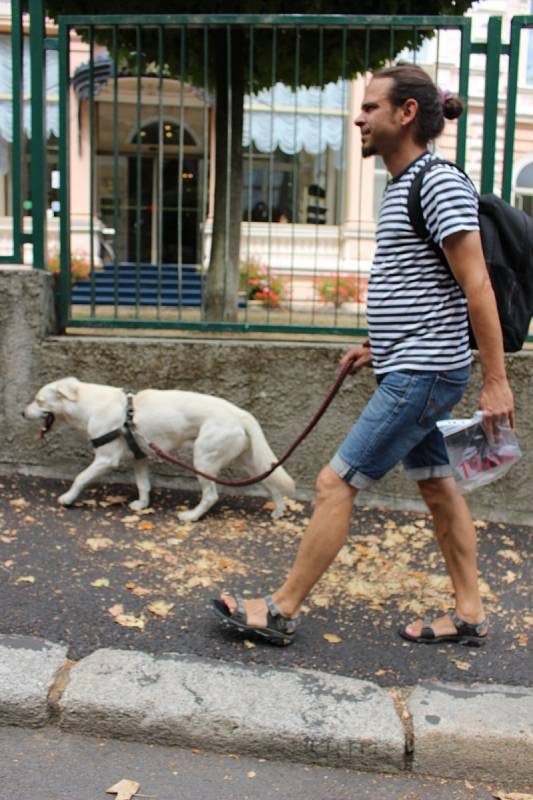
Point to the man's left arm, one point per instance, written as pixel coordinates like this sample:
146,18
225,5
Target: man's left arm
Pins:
464,253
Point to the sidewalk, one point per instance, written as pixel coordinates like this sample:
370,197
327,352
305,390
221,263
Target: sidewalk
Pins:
127,595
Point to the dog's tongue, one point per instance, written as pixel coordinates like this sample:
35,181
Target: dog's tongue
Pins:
47,424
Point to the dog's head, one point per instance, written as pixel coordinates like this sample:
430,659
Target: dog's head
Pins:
52,400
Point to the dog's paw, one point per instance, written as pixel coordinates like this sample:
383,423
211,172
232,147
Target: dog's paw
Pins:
189,516
278,512
66,499
138,505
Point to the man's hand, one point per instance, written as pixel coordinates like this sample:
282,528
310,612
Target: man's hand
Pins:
496,403
358,357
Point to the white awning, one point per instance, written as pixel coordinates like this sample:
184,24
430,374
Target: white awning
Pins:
306,119
6,93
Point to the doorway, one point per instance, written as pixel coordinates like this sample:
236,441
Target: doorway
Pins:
163,237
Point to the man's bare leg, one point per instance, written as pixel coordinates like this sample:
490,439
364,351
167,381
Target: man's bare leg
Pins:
324,537
456,536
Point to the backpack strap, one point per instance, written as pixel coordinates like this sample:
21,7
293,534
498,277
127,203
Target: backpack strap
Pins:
414,205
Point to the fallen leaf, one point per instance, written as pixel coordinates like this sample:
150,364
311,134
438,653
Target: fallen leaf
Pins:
332,638
26,579
509,576
293,505
124,789
99,543
463,665
138,591
512,555
99,582
512,796
199,581
161,608
20,502
251,774
146,545
146,525
130,621
132,518
112,499
248,644
320,601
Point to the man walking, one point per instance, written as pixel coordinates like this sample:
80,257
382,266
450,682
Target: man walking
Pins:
418,348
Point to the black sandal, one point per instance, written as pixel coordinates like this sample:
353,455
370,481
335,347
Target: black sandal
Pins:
467,632
279,629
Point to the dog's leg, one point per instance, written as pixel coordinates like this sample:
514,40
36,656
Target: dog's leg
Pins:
208,499
252,469
278,499
142,478
216,446
99,467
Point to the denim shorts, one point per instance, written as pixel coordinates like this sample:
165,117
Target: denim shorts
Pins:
399,424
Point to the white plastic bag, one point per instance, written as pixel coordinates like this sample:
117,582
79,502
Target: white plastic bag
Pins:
476,457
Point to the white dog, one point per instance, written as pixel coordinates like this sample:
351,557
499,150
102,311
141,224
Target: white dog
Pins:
120,425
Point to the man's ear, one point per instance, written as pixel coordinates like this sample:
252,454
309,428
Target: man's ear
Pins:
68,388
409,111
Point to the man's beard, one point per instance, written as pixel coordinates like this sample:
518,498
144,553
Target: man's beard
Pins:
369,150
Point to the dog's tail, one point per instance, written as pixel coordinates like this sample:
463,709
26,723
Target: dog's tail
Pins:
262,456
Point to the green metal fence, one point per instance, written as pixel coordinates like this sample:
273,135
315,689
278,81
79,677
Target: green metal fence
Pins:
15,136
207,171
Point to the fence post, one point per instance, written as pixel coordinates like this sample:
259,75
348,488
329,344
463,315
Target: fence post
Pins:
64,172
490,117
510,119
38,133
464,76
16,95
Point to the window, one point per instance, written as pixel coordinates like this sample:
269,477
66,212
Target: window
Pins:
524,189
268,187
529,62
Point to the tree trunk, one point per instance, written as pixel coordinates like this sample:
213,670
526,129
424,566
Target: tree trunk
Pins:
222,284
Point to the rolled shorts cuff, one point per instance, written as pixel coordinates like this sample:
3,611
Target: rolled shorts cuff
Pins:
349,474
424,473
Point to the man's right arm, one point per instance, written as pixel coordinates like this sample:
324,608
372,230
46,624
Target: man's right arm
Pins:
464,254
359,356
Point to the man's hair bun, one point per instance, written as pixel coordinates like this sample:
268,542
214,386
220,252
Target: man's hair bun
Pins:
452,106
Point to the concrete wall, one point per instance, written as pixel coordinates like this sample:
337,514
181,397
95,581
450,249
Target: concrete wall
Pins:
281,383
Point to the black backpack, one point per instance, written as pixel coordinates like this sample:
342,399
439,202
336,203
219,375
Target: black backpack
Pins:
507,239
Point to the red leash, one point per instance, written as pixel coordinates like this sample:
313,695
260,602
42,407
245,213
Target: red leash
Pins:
249,481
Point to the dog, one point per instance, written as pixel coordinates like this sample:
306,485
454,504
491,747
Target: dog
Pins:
221,433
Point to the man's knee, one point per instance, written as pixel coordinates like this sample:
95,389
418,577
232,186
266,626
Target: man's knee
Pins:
329,484
438,492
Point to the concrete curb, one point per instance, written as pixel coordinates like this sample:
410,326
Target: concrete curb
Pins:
304,715
481,731
28,667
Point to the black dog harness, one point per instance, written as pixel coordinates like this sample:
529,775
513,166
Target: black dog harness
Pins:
126,430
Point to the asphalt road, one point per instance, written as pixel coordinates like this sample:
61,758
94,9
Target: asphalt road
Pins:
49,765
98,575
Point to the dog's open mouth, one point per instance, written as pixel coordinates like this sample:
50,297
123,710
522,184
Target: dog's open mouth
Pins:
47,424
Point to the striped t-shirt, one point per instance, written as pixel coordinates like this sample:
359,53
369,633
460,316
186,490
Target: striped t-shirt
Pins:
417,314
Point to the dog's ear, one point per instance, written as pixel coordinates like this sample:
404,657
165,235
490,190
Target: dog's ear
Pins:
68,388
